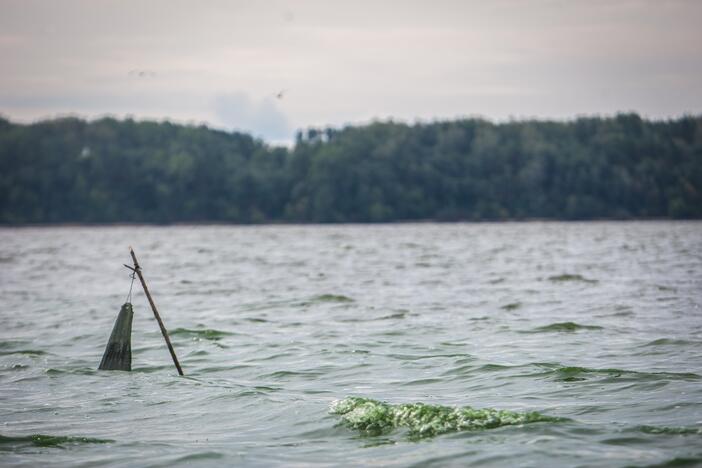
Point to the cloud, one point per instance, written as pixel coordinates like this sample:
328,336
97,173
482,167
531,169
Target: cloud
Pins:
262,118
348,62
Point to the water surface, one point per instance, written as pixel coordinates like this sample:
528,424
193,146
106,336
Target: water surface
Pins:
596,328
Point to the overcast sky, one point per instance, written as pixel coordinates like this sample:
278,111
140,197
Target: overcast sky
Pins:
336,62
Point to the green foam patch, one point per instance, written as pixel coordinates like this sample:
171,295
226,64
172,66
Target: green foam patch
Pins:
423,420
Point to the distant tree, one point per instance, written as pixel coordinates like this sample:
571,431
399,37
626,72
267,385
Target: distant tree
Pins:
70,170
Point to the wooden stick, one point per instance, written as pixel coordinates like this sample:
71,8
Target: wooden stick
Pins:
137,269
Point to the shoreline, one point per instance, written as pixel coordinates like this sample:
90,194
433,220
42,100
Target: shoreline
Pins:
325,224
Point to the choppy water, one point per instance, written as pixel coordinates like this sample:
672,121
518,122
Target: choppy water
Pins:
531,344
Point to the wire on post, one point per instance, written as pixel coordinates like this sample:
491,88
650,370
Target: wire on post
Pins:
131,285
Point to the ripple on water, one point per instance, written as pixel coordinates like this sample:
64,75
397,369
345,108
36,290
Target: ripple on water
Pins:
563,327
670,342
54,371
285,375
256,320
567,277
564,373
263,364
669,430
338,298
198,457
12,443
577,374
201,334
12,343
26,352
399,315
678,462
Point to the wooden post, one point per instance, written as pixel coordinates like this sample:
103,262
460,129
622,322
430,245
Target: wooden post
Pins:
137,270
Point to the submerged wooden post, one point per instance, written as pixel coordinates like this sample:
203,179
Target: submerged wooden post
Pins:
137,270
118,352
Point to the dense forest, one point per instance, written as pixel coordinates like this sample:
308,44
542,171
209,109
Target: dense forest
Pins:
108,170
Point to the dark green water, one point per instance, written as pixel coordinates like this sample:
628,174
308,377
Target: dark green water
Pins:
517,344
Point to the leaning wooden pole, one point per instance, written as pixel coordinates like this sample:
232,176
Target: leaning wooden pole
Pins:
137,269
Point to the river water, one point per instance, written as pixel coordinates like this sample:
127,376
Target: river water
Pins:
576,344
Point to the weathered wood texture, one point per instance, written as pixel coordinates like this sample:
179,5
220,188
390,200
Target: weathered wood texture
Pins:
118,352
137,269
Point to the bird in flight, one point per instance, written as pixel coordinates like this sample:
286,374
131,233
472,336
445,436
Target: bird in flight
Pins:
281,93
142,73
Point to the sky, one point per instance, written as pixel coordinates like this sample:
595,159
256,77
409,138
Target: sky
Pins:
272,67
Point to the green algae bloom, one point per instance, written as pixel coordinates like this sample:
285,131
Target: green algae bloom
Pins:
569,277
332,298
422,420
566,327
43,440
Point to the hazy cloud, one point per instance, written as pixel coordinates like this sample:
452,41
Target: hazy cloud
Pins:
261,118
348,62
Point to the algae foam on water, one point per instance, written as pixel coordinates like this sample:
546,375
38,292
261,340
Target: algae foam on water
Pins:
423,420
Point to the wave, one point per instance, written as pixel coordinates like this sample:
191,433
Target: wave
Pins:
256,320
678,462
511,306
375,417
495,367
669,430
563,373
331,298
43,440
198,456
70,371
564,327
12,343
394,316
26,352
203,334
287,374
575,374
670,341
569,277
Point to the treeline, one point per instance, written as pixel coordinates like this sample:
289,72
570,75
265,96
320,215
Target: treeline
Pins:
70,170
